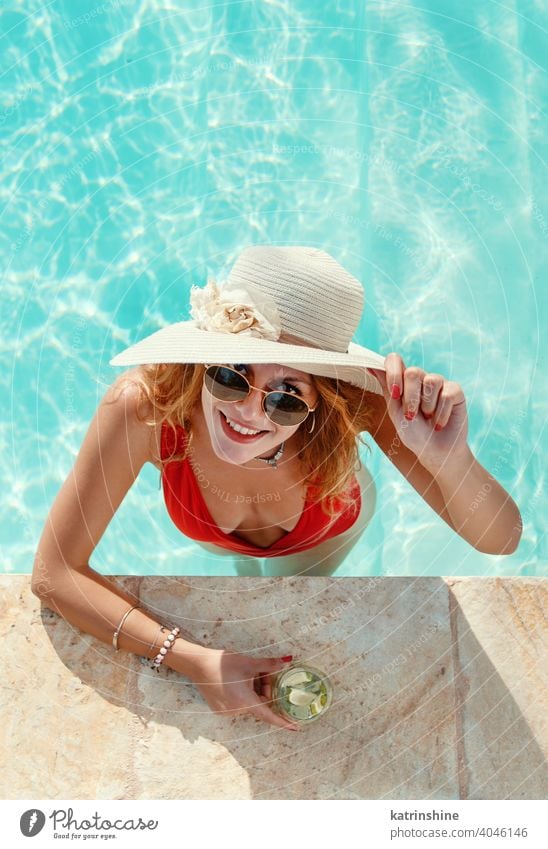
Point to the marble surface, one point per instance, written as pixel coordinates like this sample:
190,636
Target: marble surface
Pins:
440,693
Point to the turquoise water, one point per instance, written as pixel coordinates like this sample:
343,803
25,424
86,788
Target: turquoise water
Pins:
144,147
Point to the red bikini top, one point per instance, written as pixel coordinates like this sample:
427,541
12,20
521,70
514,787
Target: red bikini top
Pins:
183,481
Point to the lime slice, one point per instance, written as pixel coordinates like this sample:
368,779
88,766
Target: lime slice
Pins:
300,698
294,678
316,706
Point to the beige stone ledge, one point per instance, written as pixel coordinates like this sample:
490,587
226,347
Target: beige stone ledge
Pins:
440,693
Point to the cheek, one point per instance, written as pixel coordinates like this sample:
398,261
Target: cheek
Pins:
208,407
207,400
287,432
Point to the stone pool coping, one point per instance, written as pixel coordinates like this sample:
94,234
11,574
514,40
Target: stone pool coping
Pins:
440,693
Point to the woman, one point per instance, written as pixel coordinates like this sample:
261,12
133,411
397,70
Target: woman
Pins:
253,410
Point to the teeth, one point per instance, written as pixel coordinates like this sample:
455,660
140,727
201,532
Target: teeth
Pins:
240,429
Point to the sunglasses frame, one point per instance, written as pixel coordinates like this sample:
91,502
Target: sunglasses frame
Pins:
264,391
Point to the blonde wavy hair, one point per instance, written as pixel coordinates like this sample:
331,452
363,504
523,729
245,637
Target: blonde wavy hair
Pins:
328,457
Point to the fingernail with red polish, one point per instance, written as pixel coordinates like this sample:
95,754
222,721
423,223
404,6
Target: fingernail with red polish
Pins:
287,658
428,415
409,415
395,391
437,427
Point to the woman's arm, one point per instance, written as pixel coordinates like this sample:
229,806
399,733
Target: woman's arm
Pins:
423,432
481,510
385,435
114,450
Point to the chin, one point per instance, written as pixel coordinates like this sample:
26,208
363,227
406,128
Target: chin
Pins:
239,453
225,448
237,458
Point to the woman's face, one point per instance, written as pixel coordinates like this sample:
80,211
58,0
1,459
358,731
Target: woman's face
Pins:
236,448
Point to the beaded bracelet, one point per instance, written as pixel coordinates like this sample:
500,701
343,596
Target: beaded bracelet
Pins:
146,660
119,628
168,643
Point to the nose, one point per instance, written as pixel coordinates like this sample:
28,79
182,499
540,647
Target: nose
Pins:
250,409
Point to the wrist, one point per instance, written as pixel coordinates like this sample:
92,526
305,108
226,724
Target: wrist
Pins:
457,461
187,658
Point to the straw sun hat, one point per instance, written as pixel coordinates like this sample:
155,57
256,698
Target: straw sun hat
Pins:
292,306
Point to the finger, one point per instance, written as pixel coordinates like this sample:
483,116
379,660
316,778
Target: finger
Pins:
267,687
271,664
431,387
412,386
265,668
393,407
395,368
261,710
381,378
450,396
263,686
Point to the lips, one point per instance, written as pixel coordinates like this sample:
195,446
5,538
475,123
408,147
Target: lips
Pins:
238,437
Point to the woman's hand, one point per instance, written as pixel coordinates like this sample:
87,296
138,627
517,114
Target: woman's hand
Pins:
428,411
234,683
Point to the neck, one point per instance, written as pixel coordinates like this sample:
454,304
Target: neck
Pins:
292,447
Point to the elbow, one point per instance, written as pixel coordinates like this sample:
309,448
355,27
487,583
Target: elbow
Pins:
39,588
41,580
503,536
503,545
44,592
512,546
499,550
514,539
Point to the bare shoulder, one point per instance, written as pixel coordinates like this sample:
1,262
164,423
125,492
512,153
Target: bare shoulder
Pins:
125,409
118,442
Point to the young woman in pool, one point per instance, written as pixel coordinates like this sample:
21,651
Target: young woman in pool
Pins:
253,412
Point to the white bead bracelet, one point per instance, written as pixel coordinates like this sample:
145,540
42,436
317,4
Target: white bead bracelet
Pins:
168,643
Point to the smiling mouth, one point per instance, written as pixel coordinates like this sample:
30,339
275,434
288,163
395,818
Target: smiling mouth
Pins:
237,435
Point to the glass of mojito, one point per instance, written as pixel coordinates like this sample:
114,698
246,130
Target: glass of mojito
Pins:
302,693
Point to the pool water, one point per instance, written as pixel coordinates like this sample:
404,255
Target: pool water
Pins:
144,147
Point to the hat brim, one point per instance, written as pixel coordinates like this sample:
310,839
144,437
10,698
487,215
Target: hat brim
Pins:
183,342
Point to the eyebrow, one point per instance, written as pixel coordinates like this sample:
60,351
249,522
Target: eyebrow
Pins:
292,377
296,379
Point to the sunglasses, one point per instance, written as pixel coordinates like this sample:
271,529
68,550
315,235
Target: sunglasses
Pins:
282,408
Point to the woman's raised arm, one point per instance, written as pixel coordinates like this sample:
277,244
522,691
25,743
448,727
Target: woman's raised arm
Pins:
422,430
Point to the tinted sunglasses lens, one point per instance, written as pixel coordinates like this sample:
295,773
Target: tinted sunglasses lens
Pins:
284,409
225,384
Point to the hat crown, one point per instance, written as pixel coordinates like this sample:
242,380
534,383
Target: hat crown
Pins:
296,306
318,300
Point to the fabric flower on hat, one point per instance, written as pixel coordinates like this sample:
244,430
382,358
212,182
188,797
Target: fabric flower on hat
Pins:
241,309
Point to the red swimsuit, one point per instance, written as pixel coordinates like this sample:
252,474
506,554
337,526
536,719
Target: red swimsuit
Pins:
188,510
